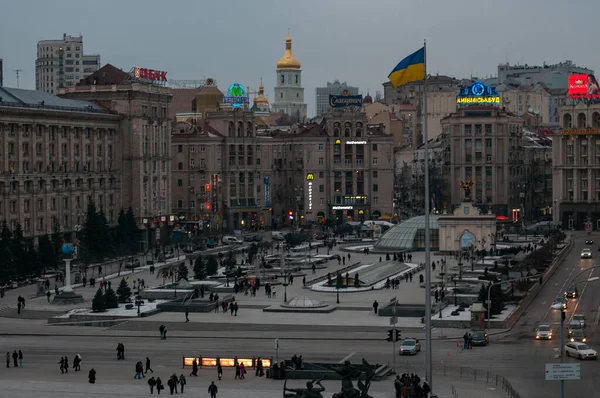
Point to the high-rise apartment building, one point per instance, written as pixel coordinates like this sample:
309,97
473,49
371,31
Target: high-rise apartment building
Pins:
335,88
62,63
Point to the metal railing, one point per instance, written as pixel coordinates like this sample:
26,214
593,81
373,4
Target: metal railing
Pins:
467,373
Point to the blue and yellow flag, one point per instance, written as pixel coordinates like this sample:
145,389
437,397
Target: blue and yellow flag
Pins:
410,69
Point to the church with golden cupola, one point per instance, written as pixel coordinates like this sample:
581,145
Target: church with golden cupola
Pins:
260,102
289,93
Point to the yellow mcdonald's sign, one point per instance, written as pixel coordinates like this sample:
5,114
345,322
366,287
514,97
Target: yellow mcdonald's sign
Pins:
338,141
310,177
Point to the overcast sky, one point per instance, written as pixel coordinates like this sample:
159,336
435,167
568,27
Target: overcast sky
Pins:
350,40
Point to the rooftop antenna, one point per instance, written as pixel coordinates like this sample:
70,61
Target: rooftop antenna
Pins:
17,71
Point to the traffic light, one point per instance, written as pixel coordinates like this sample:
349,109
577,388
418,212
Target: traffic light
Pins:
390,335
437,296
398,335
291,215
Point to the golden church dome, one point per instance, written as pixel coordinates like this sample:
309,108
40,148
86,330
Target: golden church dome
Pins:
261,99
288,61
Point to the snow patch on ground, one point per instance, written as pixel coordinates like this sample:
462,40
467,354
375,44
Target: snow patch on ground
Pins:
121,311
323,287
466,314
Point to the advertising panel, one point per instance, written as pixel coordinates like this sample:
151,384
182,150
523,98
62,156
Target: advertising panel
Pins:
343,101
236,96
583,86
477,93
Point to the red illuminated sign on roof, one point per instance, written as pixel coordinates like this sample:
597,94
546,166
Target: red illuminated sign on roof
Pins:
150,74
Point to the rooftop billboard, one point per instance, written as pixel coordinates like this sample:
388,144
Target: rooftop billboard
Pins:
583,86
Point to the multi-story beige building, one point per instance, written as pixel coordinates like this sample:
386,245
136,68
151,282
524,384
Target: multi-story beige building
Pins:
483,143
145,148
57,156
576,166
62,63
522,99
226,175
441,102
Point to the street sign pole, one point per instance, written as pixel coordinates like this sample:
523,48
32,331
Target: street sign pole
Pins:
395,321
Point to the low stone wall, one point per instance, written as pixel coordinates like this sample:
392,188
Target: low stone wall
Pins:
159,294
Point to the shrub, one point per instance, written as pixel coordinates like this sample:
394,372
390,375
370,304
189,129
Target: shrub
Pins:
123,291
111,298
99,301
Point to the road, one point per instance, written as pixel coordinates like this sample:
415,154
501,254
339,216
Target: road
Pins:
530,355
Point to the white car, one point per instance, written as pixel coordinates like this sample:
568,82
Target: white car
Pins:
559,304
231,240
410,347
580,350
543,332
586,253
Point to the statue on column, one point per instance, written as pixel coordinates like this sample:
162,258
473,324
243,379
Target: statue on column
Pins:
466,187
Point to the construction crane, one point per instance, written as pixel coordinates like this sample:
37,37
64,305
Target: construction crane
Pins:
17,71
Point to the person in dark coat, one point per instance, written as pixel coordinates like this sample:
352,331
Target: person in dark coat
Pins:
172,383
8,359
182,382
15,359
194,368
212,390
237,371
220,370
66,365
92,376
151,383
148,368
77,363
61,362
159,385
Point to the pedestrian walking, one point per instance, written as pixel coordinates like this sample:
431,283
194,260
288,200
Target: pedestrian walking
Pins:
92,376
77,363
375,306
194,368
151,383
220,371
172,383
182,382
159,385
15,358
20,359
212,390
48,294
148,368
66,365
259,367
187,314
61,362
7,359
470,341
242,371
19,308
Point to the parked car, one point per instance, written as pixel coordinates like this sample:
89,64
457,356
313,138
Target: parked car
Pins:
278,235
580,318
580,350
543,332
132,263
480,338
409,347
231,240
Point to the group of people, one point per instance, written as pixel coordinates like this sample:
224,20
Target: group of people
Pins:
64,364
297,362
233,307
270,290
409,386
17,359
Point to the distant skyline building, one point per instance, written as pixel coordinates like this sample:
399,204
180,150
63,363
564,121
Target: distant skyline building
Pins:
553,76
289,93
62,63
335,88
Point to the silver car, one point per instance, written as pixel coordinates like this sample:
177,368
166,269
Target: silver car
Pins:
410,347
543,332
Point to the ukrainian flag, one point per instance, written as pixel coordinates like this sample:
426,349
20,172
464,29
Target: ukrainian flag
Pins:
410,69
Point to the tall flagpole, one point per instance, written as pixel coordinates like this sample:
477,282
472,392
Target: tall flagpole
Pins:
428,356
